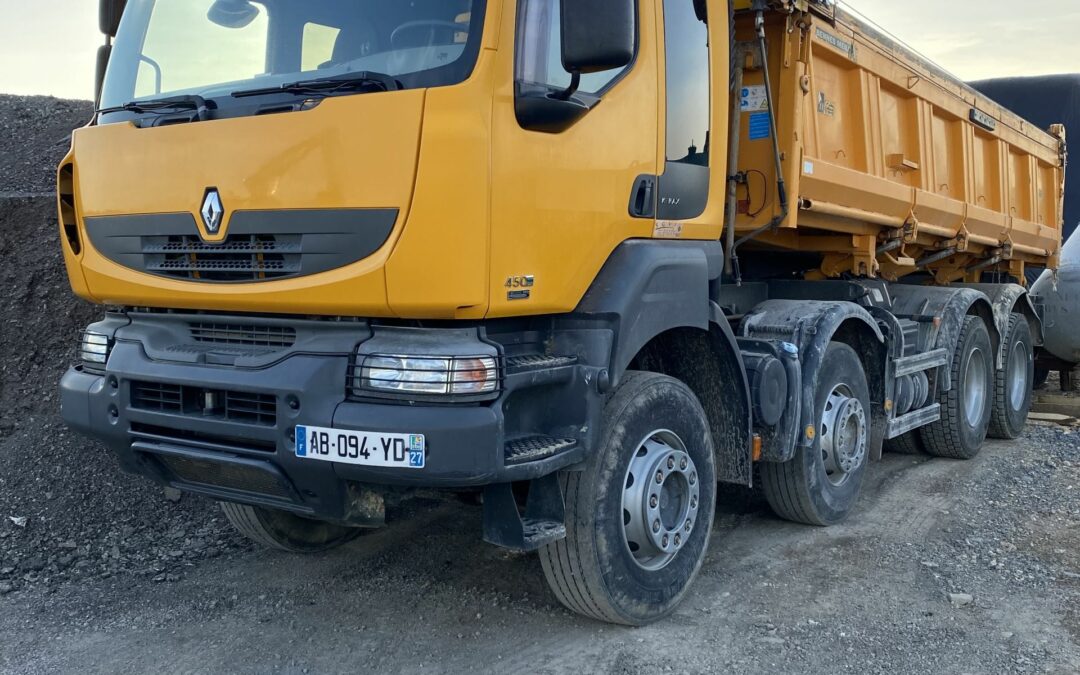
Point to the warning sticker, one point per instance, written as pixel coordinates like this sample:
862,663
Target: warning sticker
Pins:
760,126
754,99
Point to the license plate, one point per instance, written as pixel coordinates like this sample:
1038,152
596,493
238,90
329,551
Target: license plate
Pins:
367,448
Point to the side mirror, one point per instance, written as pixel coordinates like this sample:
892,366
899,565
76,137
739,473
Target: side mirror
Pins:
109,13
232,13
103,54
597,35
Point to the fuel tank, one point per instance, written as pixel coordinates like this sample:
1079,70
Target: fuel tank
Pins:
1060,297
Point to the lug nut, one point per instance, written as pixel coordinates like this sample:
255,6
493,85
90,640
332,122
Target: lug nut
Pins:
664,541
689,525
693,502
653,501
659,476
656,526
678,540
670,463
693,477
682,464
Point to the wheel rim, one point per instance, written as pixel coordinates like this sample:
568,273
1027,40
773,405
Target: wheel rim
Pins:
660,502
975,387
843,434
1019,359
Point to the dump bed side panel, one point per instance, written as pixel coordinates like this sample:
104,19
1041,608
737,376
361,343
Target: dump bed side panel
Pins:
898,167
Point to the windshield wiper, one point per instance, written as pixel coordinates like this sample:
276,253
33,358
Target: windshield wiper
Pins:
328,86
165,105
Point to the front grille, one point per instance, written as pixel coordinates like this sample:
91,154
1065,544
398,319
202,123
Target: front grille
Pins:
226,475
259,245
240,334
231,406
258,257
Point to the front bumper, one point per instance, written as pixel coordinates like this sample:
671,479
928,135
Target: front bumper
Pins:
251,458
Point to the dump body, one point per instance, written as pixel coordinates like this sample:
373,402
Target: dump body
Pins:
889,160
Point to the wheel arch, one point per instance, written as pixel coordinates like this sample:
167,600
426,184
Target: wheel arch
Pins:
811,325
654,297
708,362
944,308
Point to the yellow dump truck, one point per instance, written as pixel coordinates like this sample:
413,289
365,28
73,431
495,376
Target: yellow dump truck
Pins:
587,259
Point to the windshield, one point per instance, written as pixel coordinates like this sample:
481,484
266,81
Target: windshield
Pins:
213,48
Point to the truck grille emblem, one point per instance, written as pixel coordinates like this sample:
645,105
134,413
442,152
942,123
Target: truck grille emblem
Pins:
212,211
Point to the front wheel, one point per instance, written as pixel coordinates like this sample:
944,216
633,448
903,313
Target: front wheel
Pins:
639,515
286,531
820,485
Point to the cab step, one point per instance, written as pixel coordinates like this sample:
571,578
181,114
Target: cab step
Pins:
535,448
527,362
544,520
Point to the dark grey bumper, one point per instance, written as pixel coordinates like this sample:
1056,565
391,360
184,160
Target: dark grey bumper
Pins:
467,445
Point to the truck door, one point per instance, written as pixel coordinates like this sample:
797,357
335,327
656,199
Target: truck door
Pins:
562,199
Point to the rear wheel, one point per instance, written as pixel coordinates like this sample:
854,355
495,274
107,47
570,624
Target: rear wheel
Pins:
286,531
1013,386
820,485
965,408
639,514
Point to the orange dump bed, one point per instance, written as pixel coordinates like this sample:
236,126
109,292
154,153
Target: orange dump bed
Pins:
893,165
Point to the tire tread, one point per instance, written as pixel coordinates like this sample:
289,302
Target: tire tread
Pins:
942,438
999,423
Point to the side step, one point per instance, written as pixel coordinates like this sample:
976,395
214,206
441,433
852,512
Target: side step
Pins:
534,448
909,365
544,521
913,420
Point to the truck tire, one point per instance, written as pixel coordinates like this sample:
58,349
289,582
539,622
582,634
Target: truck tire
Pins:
1014,384
965,408
639,514
906,444
285,531
820,485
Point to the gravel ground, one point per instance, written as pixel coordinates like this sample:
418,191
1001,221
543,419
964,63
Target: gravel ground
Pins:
34,133
958,567
84,519
1001,534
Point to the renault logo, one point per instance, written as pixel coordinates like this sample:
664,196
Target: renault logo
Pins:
212,211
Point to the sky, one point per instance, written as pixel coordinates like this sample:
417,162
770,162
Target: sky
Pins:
48,46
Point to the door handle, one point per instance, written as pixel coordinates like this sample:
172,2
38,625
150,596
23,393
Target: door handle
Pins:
643,197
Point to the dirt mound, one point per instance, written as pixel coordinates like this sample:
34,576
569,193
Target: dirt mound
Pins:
35,133
83,517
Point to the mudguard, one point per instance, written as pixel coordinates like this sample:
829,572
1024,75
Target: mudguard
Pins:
943,309
811,325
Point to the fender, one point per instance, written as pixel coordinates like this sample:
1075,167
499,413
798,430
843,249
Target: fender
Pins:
943,309
656,294
1006,299
811,326
648,287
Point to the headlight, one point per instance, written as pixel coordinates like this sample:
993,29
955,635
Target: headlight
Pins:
94,348
453,376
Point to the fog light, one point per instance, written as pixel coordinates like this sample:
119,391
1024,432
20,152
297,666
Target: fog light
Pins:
94,348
